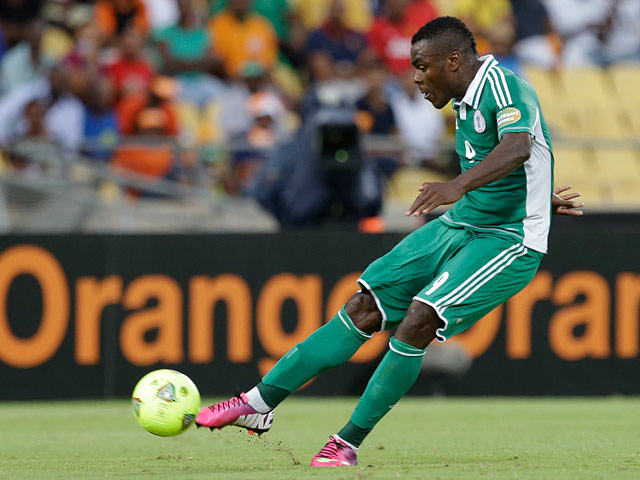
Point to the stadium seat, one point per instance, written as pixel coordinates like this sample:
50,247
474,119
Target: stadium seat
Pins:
593,103
586,85
617,166
574,166
552,99
403,184
625,79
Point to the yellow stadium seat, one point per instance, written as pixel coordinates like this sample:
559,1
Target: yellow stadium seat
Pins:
546,85
626,79
617,167
550,92
594,103
625,196
403,184
572,166
587,86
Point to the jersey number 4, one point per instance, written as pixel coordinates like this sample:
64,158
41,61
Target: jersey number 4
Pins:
469,152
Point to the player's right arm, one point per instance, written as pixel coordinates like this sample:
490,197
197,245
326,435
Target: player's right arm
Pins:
513,150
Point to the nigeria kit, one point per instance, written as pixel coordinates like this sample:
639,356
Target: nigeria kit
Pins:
490,244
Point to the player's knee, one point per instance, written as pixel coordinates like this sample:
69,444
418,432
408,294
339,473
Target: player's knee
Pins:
419,325
363,312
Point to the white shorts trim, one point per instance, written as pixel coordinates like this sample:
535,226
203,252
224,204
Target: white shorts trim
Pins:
440,331
378,303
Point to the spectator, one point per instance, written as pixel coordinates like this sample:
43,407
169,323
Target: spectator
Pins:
64,17
25,62
334,50
85,61
284,20
501,46
240,36
535,40
579,22
375,116
374,113
64,116
159,101
186,52
161,13
34,114
420,125
254,78
151,116
113,17
357,14
489,20
278,12
620,35
101,129
390,36
269,120
14,15
131,73
420,12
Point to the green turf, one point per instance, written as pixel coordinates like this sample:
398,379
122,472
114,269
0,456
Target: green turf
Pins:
420,439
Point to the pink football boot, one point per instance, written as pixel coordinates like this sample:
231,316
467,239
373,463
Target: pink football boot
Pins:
336,453
235,411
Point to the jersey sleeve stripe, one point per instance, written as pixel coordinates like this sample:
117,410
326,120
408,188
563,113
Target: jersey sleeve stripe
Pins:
494,75
495,94
506,86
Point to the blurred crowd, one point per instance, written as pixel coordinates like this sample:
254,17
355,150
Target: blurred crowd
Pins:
243,77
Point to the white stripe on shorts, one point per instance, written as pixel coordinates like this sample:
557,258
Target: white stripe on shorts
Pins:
498,268
478,272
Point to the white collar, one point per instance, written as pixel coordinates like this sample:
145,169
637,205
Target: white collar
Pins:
475,87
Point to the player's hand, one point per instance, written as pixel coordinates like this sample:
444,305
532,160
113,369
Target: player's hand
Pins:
434,194
563,204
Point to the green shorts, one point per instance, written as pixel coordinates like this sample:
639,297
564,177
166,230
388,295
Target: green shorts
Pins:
463,274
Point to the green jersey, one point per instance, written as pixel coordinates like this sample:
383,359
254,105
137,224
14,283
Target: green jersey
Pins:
496,102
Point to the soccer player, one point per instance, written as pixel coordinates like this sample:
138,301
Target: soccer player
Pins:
446,275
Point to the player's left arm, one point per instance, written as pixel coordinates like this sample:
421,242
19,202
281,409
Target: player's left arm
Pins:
513,150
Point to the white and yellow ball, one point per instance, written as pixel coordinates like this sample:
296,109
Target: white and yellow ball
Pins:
165,402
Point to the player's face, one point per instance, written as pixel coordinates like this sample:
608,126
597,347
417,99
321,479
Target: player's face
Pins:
433,73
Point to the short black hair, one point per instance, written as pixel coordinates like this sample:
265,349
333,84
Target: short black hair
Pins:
449,32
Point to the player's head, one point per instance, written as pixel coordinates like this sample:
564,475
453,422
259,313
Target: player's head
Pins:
441,52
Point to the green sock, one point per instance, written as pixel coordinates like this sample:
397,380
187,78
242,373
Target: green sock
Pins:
329,346
395,375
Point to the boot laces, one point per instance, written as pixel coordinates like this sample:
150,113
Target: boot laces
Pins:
331,449
227,404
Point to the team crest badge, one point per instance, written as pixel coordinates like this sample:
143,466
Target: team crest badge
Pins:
479,123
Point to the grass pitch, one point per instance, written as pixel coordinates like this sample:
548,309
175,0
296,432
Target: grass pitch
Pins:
470,438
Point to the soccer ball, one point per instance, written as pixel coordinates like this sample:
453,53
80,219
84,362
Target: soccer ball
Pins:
165,402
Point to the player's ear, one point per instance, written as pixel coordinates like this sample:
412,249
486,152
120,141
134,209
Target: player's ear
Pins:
454,60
